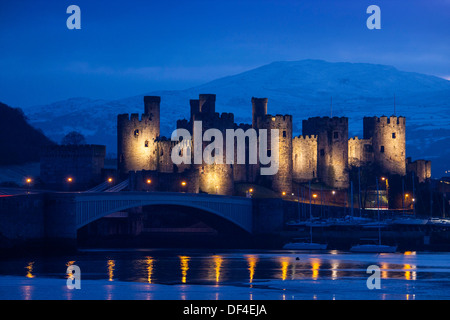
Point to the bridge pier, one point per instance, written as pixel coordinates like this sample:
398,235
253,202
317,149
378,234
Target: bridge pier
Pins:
60,221
267,216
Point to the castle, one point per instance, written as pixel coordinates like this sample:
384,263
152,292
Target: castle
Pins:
323,152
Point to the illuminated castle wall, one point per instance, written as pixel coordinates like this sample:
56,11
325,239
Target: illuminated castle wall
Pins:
322,153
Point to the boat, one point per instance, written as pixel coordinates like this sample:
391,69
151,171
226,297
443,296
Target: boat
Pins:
296,223
303,245
374,225
409,221
373,248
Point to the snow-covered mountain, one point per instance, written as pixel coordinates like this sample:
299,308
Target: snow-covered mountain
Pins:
304,89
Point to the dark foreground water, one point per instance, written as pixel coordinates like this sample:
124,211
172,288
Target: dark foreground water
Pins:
232,274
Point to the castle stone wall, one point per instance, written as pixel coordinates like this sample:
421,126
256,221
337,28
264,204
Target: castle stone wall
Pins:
332,157
360,151
304,158
82,163
421,168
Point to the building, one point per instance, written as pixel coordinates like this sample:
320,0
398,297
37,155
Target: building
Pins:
72,167
323,152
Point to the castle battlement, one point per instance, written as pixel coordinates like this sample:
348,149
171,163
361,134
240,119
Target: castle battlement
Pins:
169,142
400,120
84,150
310,137
243,126
226,116
269,119
134,118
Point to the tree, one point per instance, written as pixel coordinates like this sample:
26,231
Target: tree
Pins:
73,138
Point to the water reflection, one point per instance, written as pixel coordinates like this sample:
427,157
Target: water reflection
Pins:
251,261
111,264
384,268
29,269
149,263
241,270
69,275
315,266
334,270
184,264
284,261
27,292
218,260
410,275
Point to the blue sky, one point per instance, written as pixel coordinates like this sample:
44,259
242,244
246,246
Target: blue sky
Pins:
127,48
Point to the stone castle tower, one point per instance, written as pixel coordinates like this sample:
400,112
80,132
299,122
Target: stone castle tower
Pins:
388,142
332,148
136,138
214,178
282,180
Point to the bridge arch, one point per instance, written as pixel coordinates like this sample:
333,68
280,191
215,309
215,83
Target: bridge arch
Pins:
91,207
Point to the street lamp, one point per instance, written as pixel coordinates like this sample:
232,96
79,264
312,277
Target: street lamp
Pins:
387,189
148,181
69,179
28,182
183,183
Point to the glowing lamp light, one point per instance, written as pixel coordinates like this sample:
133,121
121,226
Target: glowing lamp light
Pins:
183,183
314,195
69,179
29,180
110,180
149,181
383,178
283,193
406,195
413,199
333,192
251,190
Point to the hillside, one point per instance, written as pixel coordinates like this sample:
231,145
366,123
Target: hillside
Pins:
301,88
19,142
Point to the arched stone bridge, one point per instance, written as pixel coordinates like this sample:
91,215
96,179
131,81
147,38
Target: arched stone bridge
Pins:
92,206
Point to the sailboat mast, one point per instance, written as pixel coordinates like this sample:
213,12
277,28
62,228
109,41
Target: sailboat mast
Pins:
378,213
310,213
359,189
414,196
351,197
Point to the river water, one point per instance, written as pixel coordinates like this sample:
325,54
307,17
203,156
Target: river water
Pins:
227,275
